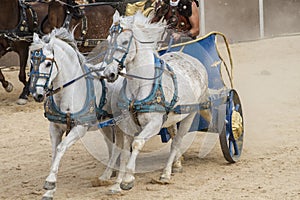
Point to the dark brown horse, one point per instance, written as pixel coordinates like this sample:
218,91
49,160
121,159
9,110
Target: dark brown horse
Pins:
91,23
18,21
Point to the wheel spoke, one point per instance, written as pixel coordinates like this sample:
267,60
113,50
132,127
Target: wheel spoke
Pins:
236,148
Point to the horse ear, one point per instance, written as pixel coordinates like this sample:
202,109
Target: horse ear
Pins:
36,38
116,17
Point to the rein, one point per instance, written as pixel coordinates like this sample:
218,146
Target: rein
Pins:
110,3
51,92
38,55
130,76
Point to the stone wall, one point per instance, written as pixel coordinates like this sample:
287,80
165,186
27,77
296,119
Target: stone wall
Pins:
281,17
239,19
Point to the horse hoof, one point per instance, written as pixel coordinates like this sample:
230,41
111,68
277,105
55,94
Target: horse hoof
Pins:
164,181
113,192
21,101
49,186
127,186
9,87
115,189
47,198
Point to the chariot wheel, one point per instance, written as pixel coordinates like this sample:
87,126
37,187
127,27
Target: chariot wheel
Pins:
232,135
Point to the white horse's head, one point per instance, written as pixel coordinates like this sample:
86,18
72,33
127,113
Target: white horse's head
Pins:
128,35
41,67
45,55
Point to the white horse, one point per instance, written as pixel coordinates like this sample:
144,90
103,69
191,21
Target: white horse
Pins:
71,105
177,79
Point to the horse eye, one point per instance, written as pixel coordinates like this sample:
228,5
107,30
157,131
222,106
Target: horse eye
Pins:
48,64
125,42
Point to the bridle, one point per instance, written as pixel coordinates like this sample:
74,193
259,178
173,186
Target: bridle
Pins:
115,31
38,57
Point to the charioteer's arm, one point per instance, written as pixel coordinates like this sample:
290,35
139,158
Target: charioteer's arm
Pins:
194,21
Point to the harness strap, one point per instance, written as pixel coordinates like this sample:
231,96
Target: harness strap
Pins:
68,19
134,113
21,31
89,113
84,29
155,102
68,123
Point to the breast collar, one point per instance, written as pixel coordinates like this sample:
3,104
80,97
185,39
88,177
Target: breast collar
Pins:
89,113
155,102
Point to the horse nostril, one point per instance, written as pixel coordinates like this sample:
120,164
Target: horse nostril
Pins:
112,76
39,98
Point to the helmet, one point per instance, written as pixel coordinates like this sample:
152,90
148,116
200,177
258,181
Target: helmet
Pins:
174,3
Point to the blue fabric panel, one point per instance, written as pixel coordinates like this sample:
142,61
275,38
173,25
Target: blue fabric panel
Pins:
205,51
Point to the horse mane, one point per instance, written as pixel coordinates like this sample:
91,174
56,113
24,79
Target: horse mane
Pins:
142,27
62,34
66,36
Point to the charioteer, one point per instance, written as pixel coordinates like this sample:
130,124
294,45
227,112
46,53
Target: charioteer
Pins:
182,17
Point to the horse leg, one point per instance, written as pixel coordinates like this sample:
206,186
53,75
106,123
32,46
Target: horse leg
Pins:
23,55
176,167
56,135
6,85
111,139
149,130
175,153
124,157
50,184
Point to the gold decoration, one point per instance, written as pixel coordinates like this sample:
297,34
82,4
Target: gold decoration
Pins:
158,99
148,11
132,8
237,124
216,63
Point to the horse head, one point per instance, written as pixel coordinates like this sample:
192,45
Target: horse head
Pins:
128,36
48,55
43,67
59,10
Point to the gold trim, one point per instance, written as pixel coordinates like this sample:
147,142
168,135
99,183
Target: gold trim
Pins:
132,8
237,125
148,11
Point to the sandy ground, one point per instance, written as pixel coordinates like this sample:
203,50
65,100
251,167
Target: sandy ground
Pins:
267,75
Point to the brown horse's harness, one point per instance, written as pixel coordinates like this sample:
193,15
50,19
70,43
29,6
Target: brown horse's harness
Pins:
73,11
22,31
